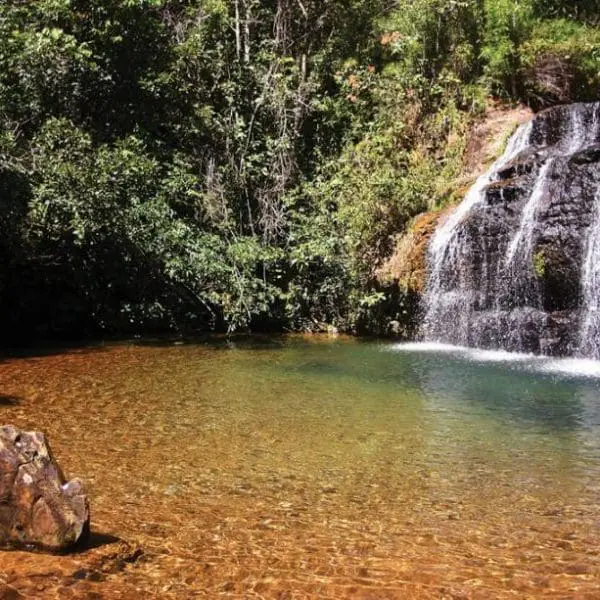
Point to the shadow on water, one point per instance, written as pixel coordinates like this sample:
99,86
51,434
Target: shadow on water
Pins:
241,341
93,541
48,349
7,400
212,340
96,540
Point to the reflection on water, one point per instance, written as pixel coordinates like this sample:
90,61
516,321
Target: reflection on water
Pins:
295,469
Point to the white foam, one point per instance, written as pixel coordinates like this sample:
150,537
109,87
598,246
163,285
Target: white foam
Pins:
573,367
475,354
499,356
578,367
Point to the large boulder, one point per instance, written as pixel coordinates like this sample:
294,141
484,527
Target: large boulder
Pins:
38,507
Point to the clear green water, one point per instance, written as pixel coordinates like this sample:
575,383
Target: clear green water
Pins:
294,468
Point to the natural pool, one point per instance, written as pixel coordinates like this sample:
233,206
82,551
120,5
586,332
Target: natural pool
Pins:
293,468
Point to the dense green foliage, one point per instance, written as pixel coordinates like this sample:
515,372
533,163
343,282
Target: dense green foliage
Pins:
224,164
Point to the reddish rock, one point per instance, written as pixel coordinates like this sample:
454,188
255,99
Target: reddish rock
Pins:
38,507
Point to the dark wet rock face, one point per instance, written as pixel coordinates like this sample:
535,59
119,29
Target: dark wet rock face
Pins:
38,507
516,270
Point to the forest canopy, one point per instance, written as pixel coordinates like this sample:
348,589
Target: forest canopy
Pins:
244,164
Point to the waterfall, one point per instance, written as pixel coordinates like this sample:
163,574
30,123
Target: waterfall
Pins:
446,233
577,132
519,254
447,246
521,245
589,333
516,272
507,268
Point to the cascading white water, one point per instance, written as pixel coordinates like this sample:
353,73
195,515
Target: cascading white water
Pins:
486,286
589,332
516,272
577,133
581,133
521,246
446,245
578,136
446,232
519,259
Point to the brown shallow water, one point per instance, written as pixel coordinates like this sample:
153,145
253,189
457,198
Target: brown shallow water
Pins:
292,469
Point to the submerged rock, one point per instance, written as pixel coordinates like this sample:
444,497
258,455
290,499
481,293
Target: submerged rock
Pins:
38,507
